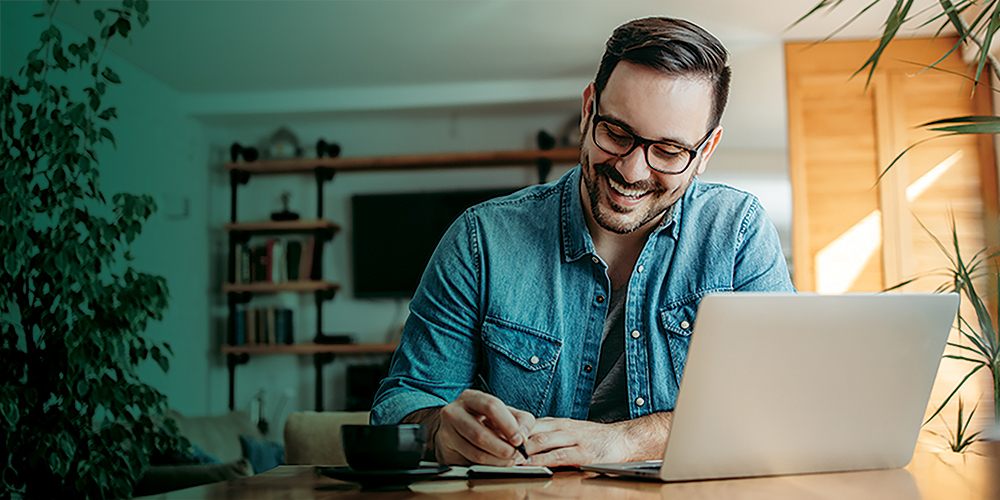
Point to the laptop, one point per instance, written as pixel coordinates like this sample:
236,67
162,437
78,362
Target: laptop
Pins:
781,383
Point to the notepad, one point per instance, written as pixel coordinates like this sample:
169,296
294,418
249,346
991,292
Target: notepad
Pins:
490,471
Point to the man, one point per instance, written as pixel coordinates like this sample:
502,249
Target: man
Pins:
575,299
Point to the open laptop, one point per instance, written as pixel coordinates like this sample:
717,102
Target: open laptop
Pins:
802,383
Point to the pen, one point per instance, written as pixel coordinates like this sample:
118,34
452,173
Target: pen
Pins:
486,388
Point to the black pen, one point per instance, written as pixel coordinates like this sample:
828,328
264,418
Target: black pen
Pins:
483,386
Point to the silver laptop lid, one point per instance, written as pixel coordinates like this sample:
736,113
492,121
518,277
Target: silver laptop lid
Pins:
799,383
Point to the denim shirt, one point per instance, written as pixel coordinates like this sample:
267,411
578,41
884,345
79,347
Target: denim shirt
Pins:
516,291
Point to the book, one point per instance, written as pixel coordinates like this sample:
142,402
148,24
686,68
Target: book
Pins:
251,326
258,262
237,263
278,264
289,326
269,260
283,326
293,257
271,327
306,262
243,256
239,328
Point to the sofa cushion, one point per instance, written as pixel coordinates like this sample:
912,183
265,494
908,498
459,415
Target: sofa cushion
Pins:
218,435
313,438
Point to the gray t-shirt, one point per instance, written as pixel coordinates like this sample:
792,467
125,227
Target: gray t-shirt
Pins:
608,404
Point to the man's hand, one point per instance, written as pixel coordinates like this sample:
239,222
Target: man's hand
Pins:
477,428
561,441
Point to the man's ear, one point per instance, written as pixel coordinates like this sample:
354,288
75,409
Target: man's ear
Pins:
709,148
588,107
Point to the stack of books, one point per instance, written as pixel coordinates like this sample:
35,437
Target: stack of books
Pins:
275,261
263,326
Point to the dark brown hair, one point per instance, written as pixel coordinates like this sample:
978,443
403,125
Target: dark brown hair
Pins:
674,47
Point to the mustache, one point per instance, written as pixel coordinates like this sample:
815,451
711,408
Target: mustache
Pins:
612,173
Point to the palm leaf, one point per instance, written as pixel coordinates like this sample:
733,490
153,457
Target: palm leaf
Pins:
892,24
964,125
842,26
953,392
991,29
829,5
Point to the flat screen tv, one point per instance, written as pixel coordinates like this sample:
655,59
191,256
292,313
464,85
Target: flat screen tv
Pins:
395,235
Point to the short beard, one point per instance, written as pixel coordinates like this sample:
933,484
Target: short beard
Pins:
591,178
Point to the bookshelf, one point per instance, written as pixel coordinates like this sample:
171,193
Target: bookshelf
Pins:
240,291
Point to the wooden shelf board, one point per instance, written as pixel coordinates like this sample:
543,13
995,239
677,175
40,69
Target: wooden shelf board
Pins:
409,162
292,226
311,348
284,286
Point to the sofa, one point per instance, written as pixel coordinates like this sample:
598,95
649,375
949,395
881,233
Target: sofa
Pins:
222,445
234,445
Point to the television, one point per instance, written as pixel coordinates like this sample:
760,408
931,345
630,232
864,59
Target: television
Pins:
394,235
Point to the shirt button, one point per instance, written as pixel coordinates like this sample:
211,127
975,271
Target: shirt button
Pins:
640,269
588,368
595,260
635,335
685,325
533,360
640,401
600,299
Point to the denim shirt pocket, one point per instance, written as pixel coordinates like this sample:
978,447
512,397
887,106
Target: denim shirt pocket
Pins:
520,362
677,320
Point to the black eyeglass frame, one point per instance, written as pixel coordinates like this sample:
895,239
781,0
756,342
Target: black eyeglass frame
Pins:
638,140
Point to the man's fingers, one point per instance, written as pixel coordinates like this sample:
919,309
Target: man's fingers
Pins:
500,416
548,440
469,421
525,422
461,451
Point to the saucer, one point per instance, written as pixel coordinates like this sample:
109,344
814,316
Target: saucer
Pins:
382,478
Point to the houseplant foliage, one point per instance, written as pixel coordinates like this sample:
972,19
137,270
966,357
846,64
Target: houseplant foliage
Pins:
975,24
75,420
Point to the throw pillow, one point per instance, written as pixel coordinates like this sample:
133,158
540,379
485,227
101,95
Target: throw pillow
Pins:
263,455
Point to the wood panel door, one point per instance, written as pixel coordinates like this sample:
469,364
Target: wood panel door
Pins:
852,232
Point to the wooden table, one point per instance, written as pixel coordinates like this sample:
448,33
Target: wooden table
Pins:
934,474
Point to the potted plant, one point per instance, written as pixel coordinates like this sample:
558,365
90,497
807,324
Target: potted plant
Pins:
75,420
980,345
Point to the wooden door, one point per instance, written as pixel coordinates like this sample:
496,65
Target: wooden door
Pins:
851,233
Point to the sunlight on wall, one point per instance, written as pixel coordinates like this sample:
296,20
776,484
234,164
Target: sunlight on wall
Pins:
839,264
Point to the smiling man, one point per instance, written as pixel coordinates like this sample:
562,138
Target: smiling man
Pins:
575,299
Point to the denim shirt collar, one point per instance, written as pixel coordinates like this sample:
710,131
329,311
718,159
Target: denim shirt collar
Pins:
576,238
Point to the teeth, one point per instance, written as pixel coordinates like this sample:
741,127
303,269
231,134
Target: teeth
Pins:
624,191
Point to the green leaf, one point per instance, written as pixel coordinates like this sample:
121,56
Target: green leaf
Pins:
99,15
828,4
892,24
160,358
109,136
123,27
51,34
108,114
111,76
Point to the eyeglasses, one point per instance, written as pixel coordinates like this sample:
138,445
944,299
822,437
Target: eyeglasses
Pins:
661,156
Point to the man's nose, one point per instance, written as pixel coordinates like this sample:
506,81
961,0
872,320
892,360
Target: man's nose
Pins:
634,167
